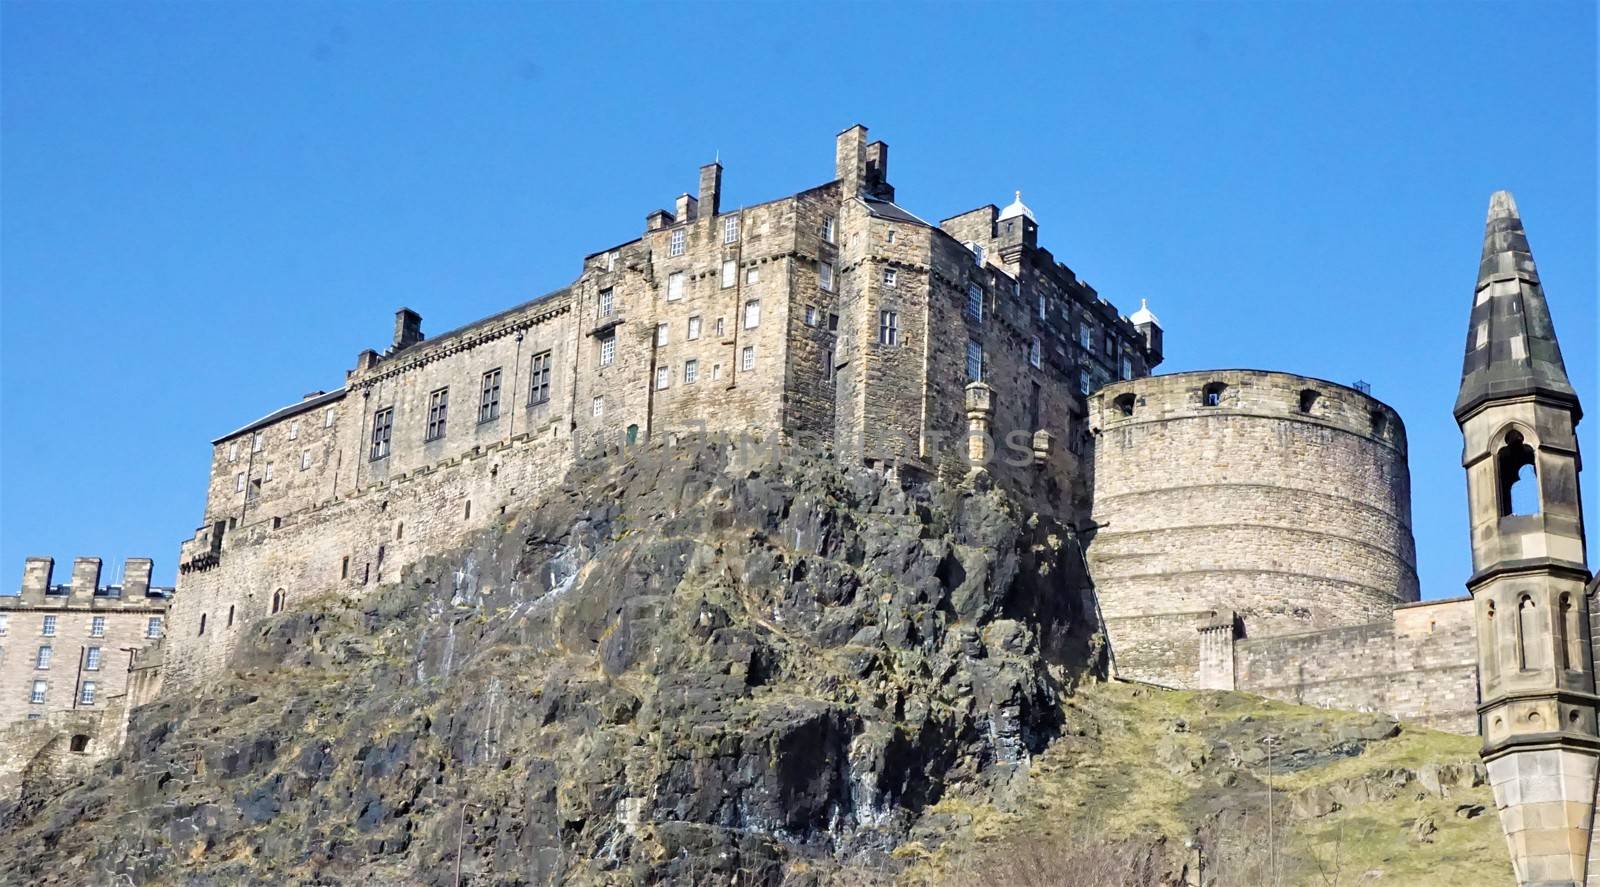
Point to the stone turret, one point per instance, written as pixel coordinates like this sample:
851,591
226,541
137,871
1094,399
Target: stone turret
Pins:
1518,415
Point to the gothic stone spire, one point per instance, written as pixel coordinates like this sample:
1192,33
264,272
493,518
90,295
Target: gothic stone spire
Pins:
1511,344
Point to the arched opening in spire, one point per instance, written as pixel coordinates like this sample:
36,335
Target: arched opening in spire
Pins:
1530,652
1518,475
1569,636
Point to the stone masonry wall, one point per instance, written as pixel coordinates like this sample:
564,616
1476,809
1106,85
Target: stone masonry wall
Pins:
1296,519
1420,666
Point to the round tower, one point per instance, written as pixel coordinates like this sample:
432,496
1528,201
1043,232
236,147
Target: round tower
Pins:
1274,502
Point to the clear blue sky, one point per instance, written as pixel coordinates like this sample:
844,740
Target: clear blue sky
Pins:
209,209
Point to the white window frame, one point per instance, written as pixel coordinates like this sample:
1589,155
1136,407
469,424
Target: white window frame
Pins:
675,242
327,418
1043,308
597,407
888,328
891,277
41,657
608,350
86,693
811,315
266,474
825,276
305,459
91,659
661,335
674,286
975,302
47,628
828,229
608,302
1086,337
747,358
691,371
721,328
233,451
1085,383
752,275
752,313
152,627
97,626
294,430
974,361
257,442
663,377
238,482
730,273
693,331
1035,352
730,229
716,372
1127,367
37,694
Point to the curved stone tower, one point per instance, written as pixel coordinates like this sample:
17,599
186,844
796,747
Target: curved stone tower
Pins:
1268,502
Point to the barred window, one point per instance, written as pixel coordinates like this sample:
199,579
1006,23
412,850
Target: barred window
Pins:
489,400
539,378
382,426
438,413
675,247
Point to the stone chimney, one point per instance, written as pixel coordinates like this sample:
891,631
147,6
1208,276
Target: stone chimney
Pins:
36,573
688,208
850,159
407,328
85,578
877,171
657,220
711,188
136,577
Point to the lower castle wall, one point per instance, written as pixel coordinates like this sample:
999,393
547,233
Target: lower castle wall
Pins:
350,545
1421,667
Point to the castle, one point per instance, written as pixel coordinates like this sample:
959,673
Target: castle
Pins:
1244,529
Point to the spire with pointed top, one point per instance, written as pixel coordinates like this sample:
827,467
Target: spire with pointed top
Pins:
1511,343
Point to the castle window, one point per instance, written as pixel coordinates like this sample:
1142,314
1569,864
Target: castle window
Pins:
1519,477
718,326
1035,352
202,625
752,275
539,378
833,323
691,371
1085,382
327,418
382,425
694,328
730,273
252,493
1035,404
36,696
1571,636
86,694
827,365
890,236
1380,423
256,442
233,451
663,377
1086,337
152,627
661,334
1127,368
294,430
438,412
811,315
1124,404
597,407
48,628
1308,399
238,482
827,230
674,286
752,314
730,229
675,244
825,276
1111,345
489,399
97,627
974,361
716,371
399,531
278,599
891,277
975,302
633,434
267,474
1530,653
80,743
230,616
1211,395
1042,307
91,659
608,349
608,302
888,328
747,358
305,459
41,659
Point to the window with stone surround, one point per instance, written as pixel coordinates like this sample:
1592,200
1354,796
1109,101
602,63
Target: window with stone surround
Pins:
327,418
975,302
382,427
489,397
833,323
91,659
608,349
41,659
661,334
663,377
97,627
1518,472
674,286
691,371
257,441
438,413
716,371
305,459
202,629
827,365
752,275
36,695
730,273
974,361
675,243
86,693
1085,382
266,474
891,277
719,328
1035,352
48,627
1042,307
1127,368
1211,395
752,314
747,358
811,315
1086,337
825,276
888,328
827,229
539,378
693,331
608,302
152,627
233,451
294,430
597,407
730,229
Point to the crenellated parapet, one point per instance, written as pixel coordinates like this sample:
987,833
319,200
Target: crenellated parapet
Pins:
83,591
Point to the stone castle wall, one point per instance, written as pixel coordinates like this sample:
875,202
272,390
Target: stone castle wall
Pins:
1287,500
1421,666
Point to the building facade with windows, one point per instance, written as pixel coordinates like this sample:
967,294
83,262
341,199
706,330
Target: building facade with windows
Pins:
833,318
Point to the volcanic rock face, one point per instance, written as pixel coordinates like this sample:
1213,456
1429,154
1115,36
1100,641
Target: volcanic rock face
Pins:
691,664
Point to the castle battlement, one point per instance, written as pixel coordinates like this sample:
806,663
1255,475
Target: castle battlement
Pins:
84,591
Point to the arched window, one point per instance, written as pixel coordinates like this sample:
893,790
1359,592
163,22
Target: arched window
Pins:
1569,643
1530,649
1518,477
1492,663
277,600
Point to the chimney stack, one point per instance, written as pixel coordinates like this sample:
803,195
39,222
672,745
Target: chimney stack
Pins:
136,577
657,220
877,171
36,572
850,159
688,208
711,188
407,328
85,578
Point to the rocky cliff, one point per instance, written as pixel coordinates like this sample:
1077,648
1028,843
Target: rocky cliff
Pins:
708,664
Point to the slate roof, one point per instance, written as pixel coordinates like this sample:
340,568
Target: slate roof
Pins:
309,403
1511,342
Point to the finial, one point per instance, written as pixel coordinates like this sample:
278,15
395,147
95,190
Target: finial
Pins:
1019,194
1144,304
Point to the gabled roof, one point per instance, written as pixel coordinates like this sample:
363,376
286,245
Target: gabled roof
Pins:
1511,342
